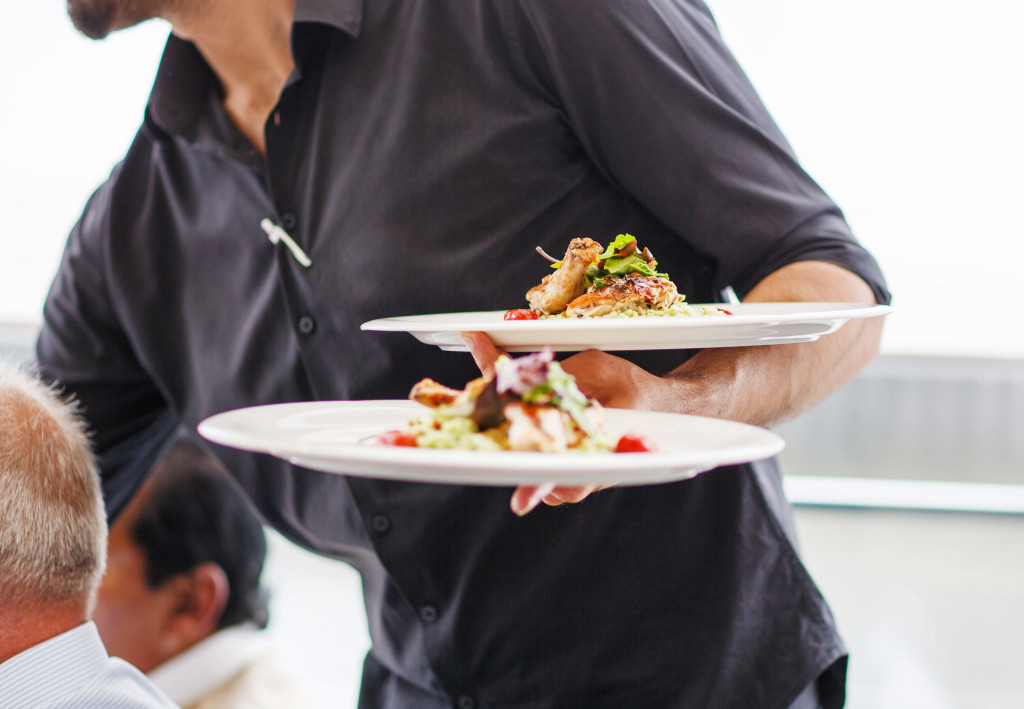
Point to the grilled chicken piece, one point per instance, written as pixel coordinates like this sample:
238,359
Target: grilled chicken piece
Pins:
432,394
455,402
560,287
632,292
536,428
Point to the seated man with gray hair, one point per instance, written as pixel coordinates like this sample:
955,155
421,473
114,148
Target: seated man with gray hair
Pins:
53,538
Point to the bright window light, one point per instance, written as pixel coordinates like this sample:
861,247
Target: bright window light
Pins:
906,112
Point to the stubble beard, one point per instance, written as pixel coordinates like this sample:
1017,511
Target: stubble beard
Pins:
98,18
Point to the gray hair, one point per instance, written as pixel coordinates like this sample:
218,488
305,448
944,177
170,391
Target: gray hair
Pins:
53,528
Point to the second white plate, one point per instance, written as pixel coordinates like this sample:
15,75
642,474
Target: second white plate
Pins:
334,437
750,324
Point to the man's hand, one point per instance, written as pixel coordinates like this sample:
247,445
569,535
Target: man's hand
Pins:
613,381
762,385
526,497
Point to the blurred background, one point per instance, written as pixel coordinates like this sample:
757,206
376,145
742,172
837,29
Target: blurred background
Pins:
909,483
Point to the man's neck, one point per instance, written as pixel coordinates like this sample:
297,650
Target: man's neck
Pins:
22,628
247,43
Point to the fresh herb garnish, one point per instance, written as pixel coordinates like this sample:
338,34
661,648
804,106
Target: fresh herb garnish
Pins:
620,259
539,380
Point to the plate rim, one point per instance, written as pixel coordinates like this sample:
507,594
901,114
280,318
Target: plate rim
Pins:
768,323
819,310
502,468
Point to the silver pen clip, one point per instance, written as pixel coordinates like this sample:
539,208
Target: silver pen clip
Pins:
277,234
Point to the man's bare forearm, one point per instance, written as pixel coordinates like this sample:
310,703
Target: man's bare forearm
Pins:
767,385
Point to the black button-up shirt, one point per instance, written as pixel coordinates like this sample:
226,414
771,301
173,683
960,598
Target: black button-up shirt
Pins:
418,154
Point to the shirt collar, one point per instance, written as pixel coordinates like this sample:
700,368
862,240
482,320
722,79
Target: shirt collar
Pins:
189,676
346,15
184,80
52,669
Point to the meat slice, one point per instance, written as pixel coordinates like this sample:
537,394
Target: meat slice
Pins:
432,394
536,428
455,402
633,292
558,288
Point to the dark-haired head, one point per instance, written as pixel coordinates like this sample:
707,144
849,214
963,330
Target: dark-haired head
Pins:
184,561
194,514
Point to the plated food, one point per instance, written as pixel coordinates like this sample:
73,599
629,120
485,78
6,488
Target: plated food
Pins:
528,404
337,437
615,299
618,281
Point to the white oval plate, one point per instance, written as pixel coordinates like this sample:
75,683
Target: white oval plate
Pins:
332,436
750,324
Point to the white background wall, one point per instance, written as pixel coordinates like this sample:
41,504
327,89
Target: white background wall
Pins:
909,113
906,111
69,108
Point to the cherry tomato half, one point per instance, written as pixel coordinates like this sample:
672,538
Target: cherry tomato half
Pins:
635,443
397,438
520,314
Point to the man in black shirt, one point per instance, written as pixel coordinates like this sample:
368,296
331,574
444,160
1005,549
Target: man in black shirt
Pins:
407,156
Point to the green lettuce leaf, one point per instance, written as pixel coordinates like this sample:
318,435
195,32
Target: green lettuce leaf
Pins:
613,264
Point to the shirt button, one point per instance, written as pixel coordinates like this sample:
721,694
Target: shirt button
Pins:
307,325
380,523
289,221
428,614
465,702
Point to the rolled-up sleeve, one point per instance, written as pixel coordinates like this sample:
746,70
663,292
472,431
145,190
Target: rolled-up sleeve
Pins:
665,112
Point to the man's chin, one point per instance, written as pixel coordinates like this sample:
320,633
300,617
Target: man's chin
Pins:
93,19
96,19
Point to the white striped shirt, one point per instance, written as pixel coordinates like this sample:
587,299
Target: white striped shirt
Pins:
73,671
